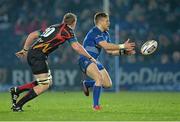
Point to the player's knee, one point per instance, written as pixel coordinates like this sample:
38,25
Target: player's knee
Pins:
41,88
50,84
45,87
46,82
50,78
107,85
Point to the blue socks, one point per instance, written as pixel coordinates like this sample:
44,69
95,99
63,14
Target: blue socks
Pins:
96,95
89,83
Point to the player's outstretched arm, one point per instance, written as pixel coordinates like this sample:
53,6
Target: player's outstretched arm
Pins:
79,49
113,52
31,37
121,52
122,49
110,46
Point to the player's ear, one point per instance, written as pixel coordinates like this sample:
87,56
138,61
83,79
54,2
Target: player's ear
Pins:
74,25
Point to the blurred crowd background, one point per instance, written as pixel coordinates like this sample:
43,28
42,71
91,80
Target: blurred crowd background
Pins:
139,20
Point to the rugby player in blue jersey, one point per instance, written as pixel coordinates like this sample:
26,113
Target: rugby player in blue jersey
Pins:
96,39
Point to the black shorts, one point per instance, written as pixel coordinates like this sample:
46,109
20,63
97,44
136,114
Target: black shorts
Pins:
37,60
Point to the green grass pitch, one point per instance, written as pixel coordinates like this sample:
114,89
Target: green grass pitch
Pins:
124,106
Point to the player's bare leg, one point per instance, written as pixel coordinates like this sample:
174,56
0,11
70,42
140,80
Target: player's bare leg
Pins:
44,83
106,83
94,73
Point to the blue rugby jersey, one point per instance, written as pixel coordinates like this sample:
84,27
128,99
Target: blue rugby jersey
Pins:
92,39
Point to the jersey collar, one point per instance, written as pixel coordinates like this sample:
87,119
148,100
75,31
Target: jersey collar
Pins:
96,27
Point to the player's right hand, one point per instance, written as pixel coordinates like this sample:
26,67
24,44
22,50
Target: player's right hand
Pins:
129,45
21,54
130,52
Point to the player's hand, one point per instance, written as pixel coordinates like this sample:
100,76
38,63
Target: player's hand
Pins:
129,45
21,54
131,52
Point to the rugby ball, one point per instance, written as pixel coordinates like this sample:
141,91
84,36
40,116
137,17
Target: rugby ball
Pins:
149,47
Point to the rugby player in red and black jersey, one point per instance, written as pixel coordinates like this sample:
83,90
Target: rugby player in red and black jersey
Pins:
37,47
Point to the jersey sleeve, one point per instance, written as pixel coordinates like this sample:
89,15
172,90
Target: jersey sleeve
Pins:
72,36
72,40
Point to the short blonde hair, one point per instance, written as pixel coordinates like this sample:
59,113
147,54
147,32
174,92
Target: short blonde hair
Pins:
69,18
99,16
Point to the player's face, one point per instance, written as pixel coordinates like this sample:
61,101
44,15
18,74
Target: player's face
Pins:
74,25
105,23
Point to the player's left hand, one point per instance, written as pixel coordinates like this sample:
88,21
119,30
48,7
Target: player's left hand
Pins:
21,54
129,45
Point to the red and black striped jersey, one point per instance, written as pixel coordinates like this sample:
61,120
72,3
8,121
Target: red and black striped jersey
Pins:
52,37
